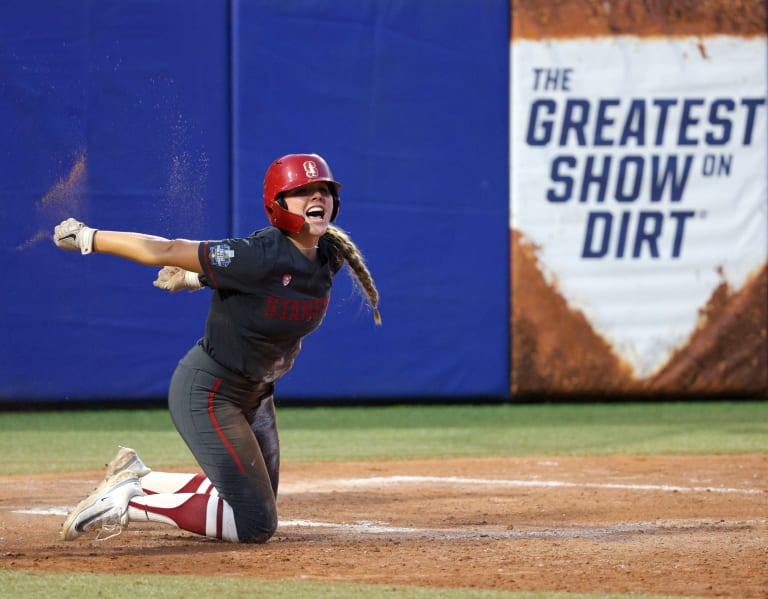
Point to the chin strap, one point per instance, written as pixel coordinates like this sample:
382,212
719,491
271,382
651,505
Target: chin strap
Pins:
282,218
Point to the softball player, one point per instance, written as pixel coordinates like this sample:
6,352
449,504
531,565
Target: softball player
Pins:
269,291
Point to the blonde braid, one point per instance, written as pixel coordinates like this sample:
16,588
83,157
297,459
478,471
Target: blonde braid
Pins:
348,252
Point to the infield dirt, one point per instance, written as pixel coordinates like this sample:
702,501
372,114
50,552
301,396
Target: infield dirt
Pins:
619,524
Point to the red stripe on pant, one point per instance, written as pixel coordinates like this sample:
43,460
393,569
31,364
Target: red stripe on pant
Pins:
217,427
219,518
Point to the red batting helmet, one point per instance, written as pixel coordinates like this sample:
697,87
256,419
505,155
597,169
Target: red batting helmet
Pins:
290,172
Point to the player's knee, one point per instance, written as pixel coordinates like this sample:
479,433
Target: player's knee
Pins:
260,536
259,530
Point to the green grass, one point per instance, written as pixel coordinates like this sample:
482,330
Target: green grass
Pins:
34,584
524,430
60,441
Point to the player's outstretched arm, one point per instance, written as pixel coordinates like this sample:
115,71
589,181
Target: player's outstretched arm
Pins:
72,235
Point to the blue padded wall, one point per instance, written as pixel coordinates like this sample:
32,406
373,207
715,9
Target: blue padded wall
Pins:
116,113
408,102
162,115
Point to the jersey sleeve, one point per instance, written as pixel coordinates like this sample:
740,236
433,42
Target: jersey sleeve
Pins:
236,264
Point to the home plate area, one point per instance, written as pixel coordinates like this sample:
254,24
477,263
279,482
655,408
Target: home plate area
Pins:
686,525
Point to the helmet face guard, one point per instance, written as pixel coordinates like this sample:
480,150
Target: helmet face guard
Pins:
290,172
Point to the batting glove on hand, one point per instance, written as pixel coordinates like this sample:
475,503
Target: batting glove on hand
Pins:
173,279
72,235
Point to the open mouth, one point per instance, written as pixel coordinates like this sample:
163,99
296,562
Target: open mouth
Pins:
315,214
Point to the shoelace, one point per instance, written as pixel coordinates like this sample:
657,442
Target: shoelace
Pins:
112,527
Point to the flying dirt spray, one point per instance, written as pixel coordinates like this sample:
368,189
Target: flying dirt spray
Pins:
66,198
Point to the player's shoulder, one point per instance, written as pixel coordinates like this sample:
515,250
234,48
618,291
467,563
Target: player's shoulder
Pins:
269,240
268,234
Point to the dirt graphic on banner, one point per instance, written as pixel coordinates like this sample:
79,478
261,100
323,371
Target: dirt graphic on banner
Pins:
558,19
554,347
729,349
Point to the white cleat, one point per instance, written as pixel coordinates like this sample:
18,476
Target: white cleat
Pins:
105,508
126,459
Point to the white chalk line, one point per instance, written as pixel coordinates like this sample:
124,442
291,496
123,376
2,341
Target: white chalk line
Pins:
334,484
61,510
368,528
572,532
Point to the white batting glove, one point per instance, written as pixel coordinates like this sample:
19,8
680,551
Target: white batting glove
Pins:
173,279
72,235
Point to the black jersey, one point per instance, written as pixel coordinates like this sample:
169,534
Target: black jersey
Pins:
267,297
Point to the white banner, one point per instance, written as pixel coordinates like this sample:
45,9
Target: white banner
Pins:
638,169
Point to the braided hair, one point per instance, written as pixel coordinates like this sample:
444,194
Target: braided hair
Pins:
348,252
